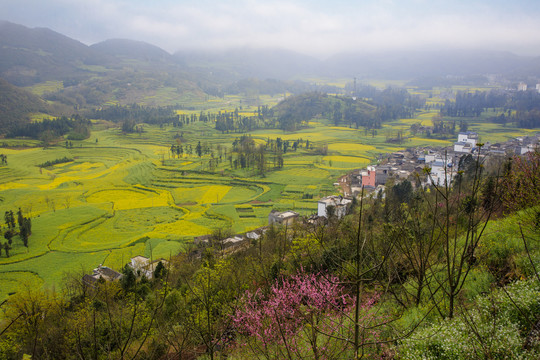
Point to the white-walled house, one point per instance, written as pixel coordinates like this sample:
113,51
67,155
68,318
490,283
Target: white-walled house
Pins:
468,137
462,147
441,172
524,149
339,203
429,158
141,265
282,218
466,142
101,272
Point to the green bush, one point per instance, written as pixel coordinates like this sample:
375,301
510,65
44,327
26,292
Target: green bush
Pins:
502,250
497,328
65,159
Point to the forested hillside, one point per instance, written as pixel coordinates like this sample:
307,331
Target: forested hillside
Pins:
31,56
389,104
16,105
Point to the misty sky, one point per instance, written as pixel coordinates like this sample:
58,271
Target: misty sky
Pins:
314,27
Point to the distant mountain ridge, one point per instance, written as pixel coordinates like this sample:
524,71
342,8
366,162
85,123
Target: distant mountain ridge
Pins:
30,56
132,49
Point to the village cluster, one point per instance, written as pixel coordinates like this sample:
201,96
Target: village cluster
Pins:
441,162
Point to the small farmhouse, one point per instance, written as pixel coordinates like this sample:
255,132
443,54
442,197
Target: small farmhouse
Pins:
142,266
368,177
101,272
282,218
339,204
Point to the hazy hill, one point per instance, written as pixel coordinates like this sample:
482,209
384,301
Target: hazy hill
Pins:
16,104
131,49
407,65
34,55
248,63
285,65
126,71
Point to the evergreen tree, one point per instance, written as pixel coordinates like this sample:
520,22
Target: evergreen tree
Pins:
20,218
129,280
160,271
27,223
12,219
24,237
8,235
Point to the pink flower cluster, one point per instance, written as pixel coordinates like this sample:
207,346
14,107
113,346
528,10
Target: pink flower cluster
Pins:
275,316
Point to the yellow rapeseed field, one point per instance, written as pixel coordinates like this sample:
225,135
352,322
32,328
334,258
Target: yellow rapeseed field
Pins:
345,162
201,194
342,128
125,199
433,141
214,193
78,176
179,228
12,185
86,166
312,136
346,159
350,147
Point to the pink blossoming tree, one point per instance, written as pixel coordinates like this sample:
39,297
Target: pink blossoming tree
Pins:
302,316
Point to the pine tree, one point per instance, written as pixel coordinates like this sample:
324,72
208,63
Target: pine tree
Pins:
20,218
8,235
160,271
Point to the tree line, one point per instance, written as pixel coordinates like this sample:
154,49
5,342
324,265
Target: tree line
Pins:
48,163
24,229
290,114
137,113
77,126
232,121
519,107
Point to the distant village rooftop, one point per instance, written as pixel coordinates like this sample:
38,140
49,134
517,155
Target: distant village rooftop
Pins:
101,272
282,218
